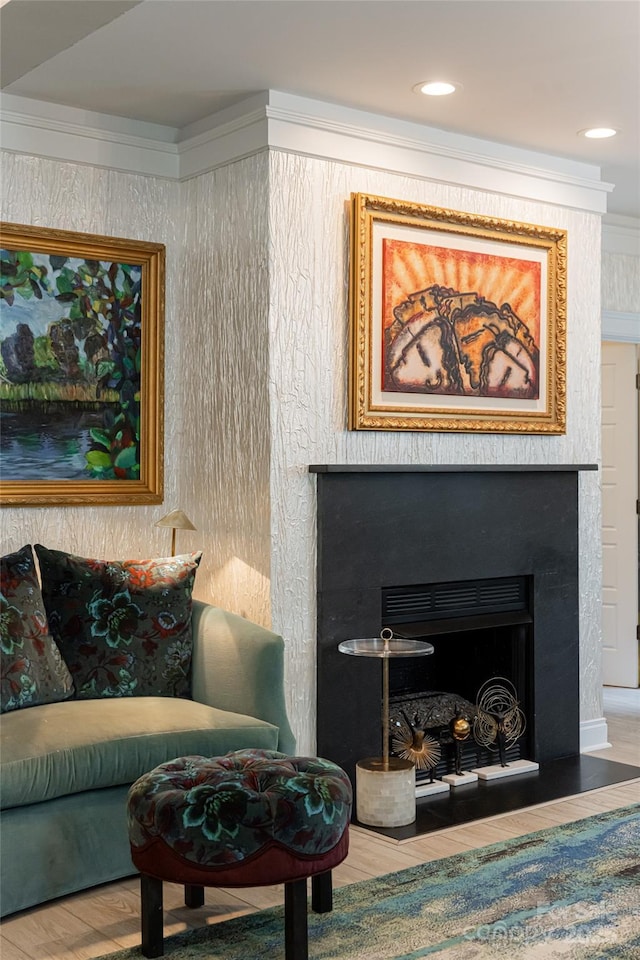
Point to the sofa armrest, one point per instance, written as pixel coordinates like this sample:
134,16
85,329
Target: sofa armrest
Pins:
239,666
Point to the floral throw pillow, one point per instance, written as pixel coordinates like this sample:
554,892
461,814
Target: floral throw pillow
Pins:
123,627
33,672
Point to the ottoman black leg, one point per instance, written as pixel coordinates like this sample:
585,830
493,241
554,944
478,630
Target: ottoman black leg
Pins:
193,895
322,893
151,907
295,920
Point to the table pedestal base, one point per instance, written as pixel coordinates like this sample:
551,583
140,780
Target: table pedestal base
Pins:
385,793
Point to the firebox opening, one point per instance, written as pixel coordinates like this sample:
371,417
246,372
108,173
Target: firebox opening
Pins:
481,631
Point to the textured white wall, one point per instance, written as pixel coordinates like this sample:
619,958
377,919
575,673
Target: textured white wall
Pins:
216,395
75,197
620,282
224,341
256,378
308,371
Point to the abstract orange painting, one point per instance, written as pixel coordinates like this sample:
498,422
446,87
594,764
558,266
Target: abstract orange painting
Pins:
457,321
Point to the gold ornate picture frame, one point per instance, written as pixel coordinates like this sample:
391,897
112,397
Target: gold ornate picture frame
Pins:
457,321
81,368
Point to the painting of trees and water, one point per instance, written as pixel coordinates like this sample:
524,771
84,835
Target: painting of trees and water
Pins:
72,355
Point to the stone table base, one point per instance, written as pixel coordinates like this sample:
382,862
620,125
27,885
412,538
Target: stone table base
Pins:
385,795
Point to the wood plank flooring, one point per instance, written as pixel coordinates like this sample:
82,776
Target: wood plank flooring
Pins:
98,921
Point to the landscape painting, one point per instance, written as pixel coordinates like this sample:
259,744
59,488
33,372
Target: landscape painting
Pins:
81,354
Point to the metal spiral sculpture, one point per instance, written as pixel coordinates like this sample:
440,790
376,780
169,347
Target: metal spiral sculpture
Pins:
500,721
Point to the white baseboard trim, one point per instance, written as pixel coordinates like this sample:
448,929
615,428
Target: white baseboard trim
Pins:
593,735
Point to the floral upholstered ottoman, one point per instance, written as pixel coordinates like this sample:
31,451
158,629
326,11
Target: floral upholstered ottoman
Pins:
250,818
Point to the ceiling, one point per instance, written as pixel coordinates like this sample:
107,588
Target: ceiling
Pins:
533,72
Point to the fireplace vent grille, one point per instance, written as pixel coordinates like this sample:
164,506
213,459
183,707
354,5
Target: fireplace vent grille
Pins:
468,598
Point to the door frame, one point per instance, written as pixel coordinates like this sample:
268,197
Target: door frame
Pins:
624,328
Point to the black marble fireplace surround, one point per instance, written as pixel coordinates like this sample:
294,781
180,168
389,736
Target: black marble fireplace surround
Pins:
383,527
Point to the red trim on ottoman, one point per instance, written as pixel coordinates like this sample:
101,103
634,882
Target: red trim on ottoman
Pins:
271,864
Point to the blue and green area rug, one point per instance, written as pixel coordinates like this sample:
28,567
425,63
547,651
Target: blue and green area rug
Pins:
570,892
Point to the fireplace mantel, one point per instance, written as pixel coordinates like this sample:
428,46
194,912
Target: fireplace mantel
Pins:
451,468
388,525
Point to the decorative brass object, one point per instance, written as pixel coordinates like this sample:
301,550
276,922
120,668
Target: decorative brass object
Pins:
460,729
412,743
500,721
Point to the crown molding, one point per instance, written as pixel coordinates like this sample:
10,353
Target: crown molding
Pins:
78,136
230,135
278,121
621,327
313,128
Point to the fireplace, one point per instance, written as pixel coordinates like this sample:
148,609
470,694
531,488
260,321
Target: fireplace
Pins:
481,632
396,544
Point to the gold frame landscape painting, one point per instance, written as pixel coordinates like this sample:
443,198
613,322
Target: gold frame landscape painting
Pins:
457,321
81,368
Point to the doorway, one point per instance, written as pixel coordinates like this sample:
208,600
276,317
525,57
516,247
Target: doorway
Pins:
620,659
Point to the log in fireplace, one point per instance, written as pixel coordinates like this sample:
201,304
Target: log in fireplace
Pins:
481,560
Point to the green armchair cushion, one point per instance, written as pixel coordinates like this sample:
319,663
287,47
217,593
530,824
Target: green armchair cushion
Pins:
66,748
33,672
123,627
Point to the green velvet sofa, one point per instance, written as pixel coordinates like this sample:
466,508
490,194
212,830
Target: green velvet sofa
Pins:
66,767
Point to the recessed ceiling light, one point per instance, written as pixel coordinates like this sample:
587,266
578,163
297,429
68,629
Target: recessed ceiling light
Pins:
437,88
598,133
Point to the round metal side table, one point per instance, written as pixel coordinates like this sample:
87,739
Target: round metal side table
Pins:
385,786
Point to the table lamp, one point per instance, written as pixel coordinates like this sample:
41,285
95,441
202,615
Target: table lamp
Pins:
177,520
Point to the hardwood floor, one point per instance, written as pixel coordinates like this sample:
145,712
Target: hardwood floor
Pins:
106,918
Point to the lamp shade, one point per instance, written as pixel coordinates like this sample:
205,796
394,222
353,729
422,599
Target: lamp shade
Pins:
177,520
